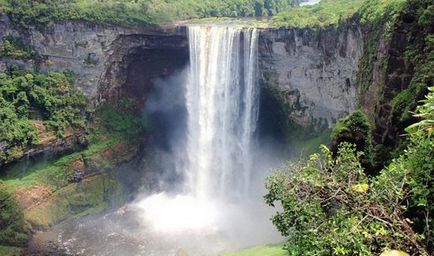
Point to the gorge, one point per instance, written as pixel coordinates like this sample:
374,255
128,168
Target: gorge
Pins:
163,139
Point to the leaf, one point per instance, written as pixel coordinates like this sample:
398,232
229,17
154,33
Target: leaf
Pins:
360,188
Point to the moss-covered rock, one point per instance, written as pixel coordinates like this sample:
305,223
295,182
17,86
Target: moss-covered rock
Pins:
284,116
89,180
395,72
91,195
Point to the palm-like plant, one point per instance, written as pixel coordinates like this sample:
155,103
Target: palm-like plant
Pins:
426,113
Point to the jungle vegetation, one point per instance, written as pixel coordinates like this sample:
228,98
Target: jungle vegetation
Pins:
134,12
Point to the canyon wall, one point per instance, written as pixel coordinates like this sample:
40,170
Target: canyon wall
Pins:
96,54
313,73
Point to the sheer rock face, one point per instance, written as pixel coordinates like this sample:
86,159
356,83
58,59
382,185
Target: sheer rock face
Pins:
99,55
313,72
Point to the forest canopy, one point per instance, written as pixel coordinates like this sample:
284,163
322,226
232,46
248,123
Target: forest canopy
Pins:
135,12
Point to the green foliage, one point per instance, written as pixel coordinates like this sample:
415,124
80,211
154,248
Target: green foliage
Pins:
265,250
405,102
110,125
14,231
394,102
113,126
326,12
330,207
426,112
355,129
415,170
317,198
29,96
421,56
379,17
332,12
15,48
135,12
376,10
426,15
10,251
121,119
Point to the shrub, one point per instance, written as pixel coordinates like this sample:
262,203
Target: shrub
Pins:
48,97
14,47
355,129
330,207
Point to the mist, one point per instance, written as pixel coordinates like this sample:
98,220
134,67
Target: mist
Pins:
203,191
165,218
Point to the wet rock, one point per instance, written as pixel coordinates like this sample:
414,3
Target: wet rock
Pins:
317,70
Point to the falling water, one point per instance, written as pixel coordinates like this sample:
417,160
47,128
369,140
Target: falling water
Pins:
222,104
222,101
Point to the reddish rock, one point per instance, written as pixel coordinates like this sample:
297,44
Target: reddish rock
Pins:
29,197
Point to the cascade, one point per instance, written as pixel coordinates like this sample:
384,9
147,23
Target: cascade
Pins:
222,100
222,103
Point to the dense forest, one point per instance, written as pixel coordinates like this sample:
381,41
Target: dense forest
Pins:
369,191
136,12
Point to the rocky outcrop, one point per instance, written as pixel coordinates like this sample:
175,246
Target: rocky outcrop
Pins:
95,182
97,54
48,144
313,71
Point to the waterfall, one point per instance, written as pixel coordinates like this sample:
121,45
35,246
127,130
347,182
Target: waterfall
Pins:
222,103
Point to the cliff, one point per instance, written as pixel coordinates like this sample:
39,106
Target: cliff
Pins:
98,55
314,72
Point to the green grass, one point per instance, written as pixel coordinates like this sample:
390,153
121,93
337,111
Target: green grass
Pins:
9,251
92,195
263,250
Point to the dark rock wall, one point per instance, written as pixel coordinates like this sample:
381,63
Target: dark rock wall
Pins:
139,59
312,71
97,54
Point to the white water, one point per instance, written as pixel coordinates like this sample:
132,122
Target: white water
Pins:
221,207
219,202
222,101
222,104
